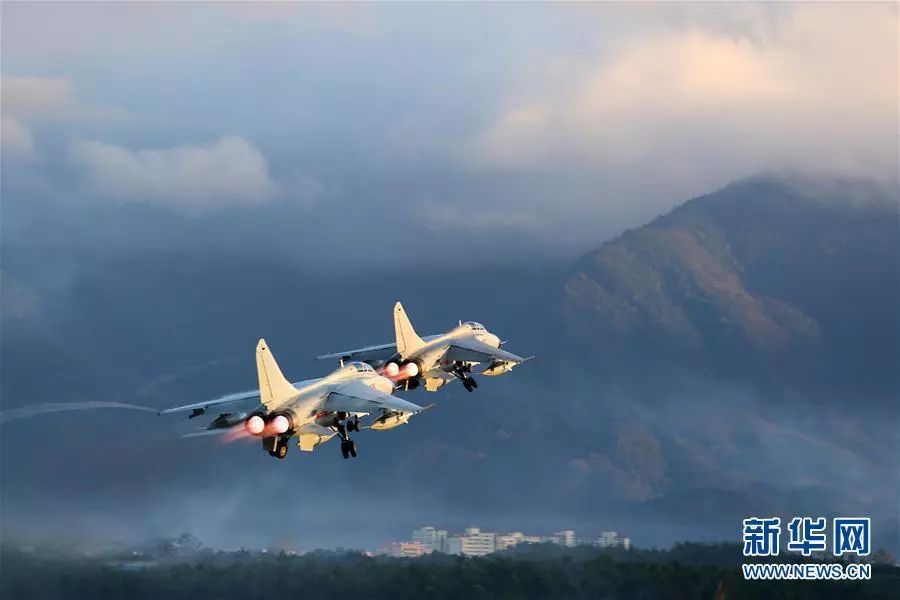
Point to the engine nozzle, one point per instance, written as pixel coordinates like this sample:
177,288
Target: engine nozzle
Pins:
409,370
395,372
391,369
255,425
279,424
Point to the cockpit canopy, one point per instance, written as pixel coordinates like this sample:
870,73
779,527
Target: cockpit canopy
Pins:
474,326
359,367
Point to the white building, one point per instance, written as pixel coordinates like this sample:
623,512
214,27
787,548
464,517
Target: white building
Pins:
565,537
453,545
434,540
473,542
611,539
404,549
502,541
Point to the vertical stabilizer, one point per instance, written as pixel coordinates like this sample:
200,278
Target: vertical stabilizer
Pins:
274,389
407,340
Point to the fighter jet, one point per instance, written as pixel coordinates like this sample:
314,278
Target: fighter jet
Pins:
435,359
314,410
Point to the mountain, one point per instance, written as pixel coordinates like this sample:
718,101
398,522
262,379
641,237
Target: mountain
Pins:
781,275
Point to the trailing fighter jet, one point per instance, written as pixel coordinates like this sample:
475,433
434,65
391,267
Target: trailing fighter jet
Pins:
435,359
314,410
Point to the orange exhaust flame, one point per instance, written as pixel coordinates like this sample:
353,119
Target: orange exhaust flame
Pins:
235,434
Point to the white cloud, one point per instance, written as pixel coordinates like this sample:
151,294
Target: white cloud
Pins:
228,171
820,90
16,141
28,100
32,98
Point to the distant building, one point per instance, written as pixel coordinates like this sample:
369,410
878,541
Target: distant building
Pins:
611,539
453,545
473,542
502,541
404,549
566,538
434,540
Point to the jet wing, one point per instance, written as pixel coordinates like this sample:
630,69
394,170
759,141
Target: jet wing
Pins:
472,350
382,352
226,399
369,353
355,396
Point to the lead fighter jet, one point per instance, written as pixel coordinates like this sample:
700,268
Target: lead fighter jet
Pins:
435,359
314,410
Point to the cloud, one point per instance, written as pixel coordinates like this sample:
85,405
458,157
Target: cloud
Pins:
48,98
16,140
820,90
31,99
228,171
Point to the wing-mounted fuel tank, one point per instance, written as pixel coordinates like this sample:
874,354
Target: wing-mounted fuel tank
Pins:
390,420
499,367
393,418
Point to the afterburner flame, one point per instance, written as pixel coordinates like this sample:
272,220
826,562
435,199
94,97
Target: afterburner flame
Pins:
410,370
255,425
235,434
395,372
280,424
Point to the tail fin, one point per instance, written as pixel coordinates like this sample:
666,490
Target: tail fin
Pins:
274,389
407,340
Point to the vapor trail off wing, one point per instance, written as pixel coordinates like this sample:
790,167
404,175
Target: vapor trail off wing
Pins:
470,350
355,396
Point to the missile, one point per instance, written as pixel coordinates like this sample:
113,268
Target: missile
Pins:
499,368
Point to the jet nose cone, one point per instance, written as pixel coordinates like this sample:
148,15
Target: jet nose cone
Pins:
493,340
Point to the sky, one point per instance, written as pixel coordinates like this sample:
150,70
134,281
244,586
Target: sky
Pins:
153,152
359,130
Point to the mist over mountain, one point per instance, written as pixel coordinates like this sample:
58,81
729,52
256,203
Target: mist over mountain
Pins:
730,315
